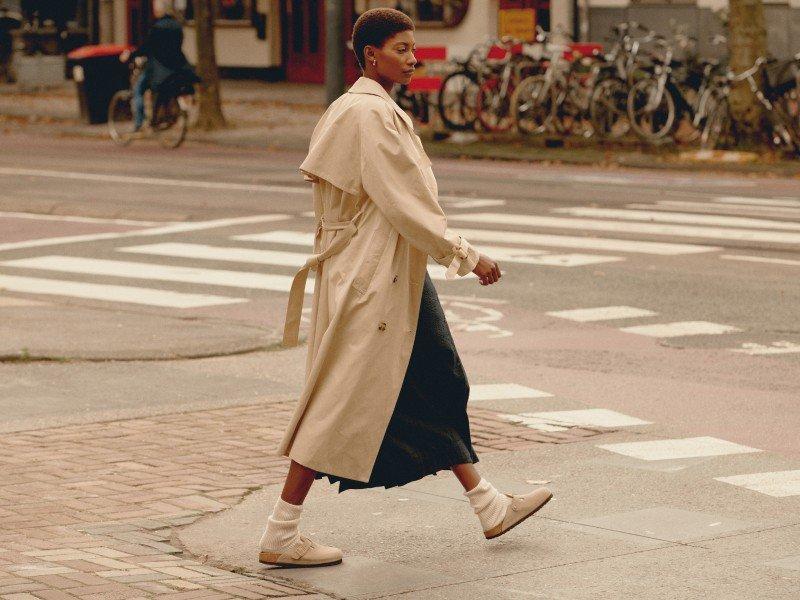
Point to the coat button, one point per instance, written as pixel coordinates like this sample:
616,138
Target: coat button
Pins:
382,326
394,280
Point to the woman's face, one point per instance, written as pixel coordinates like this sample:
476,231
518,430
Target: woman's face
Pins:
395,59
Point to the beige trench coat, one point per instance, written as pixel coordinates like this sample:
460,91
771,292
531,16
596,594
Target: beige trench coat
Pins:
378,215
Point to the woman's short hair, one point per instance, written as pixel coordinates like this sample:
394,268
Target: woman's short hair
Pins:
377,25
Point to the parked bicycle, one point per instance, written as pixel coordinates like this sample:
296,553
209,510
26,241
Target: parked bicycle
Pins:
167,110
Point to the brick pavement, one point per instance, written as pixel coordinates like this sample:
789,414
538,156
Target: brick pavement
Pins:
89,511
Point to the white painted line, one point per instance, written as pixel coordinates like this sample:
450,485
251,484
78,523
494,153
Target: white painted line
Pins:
677,217
602,313
782,347
119,268
714,233
720,209
758,201
458,202
112,293
74,219
680,328
185,183
166,229
587,243
591,417
779,484
308,213
678,448
279,236
761,259
221,253
503,391
533,423
528,256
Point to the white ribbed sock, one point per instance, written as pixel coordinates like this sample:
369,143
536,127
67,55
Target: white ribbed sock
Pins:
282,526
489,504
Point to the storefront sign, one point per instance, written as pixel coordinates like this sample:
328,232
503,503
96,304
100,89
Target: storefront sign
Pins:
519,23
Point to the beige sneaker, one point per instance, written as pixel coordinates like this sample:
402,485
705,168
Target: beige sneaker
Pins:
303,552
521,508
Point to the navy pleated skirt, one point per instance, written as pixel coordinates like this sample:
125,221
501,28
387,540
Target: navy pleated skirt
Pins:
429,429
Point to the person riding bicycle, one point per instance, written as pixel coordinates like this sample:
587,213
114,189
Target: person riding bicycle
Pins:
165,59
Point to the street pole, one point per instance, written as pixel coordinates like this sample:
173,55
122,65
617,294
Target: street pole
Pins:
334,49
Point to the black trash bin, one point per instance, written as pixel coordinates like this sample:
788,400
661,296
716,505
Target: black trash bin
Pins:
99,75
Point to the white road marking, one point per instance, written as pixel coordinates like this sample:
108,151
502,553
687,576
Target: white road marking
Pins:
602,313
779,484
185,183
790,202
74,219
533,422
466,316
221,253
678,448
680,328
459,202
713,233
503,391
165,229
590,417
587,243
678,217
725,209
112,293
118,268
782,347
761,259
528,256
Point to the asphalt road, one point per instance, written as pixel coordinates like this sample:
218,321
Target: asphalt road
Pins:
692,281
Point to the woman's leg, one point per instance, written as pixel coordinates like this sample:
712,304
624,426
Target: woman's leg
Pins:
467,474
298,482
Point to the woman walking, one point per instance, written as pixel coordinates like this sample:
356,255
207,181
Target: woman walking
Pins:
385,395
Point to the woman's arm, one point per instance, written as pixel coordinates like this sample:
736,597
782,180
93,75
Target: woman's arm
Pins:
392,178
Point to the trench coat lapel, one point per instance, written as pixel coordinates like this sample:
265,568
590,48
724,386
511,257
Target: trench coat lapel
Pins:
365,85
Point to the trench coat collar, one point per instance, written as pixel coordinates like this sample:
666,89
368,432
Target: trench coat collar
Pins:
367,85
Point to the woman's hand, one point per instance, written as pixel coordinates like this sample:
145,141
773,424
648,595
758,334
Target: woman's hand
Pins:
487,270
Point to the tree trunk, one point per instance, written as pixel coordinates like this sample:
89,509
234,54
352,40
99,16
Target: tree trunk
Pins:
210,103
747,40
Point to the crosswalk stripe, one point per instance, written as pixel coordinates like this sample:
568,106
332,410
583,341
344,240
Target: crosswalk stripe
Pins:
512,237
758,201
776,348
714,233
112,293
529,256
586,243
720,209
761,259
678,448
680,329
779,484
677,217
118,268
590,417
602,313
503,391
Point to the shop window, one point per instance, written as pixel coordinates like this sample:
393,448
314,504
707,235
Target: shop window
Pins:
233,11
425,13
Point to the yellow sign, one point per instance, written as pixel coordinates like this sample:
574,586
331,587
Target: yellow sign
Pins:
519,23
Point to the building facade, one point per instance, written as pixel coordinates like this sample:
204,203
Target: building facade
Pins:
284,39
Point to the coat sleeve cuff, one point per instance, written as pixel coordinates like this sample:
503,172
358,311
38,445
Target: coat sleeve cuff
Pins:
465,257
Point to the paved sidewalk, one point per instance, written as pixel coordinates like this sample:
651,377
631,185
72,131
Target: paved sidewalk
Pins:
92,511
282,116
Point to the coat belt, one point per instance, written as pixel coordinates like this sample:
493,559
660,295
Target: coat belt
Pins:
346,230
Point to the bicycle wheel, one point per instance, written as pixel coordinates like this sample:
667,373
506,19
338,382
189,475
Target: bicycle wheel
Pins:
120,117
170,123
651,117
716,131
456,103
494,106
608,109
532,106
